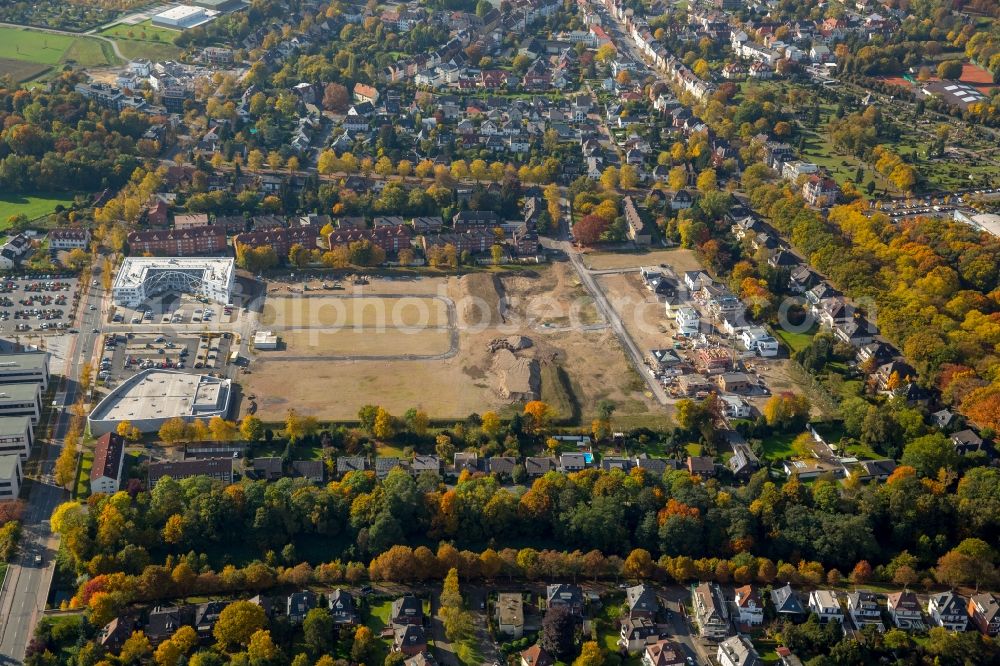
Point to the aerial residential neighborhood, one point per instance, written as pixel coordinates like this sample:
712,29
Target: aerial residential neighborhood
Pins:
515,333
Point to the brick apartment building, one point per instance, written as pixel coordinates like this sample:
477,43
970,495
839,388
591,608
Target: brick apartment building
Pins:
391,238
474,241
281,239
178,242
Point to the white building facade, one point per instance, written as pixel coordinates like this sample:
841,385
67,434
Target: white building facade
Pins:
140,278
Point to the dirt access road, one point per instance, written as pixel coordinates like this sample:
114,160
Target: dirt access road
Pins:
632,350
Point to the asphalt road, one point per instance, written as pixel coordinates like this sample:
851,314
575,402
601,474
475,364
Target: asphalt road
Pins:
26,586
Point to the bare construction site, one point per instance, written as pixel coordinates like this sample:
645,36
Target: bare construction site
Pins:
448,345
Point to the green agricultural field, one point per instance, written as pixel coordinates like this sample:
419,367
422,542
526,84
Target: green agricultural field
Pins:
31,206
32,46
144,40
21,70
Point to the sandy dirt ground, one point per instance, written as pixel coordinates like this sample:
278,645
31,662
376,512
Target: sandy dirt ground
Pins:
642,314
679,259
333,311
545,304
349,341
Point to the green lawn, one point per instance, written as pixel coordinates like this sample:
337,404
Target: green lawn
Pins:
50,49
83,478
779,446
144,40
862,451
276,448
378,616
387,450
30,205
767,650
693,450
607,637
378,619
795,341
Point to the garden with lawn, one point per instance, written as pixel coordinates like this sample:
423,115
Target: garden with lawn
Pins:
82,487
778,445
795,341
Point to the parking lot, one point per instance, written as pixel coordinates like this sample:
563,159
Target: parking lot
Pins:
125,354
37,303
174,309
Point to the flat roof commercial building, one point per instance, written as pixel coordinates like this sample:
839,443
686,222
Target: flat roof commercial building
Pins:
265,340
183,17
10,477
954,93
219,5
21,400
25,368
16,436
152,397
142,277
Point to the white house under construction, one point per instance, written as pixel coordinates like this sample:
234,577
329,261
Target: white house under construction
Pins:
142,277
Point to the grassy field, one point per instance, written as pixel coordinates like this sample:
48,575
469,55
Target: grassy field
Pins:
30,205
83,478
795,341
48,49
144,40
557,391
21,70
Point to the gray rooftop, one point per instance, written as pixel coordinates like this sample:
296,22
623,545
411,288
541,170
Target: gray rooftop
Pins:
14,425
23,361
19,392
159,394
8,464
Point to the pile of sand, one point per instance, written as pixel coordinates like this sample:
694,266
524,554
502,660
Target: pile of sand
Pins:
515,378
479,299
518,342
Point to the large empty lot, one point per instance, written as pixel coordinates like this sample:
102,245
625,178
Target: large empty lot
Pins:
679,259
578,357
355,311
